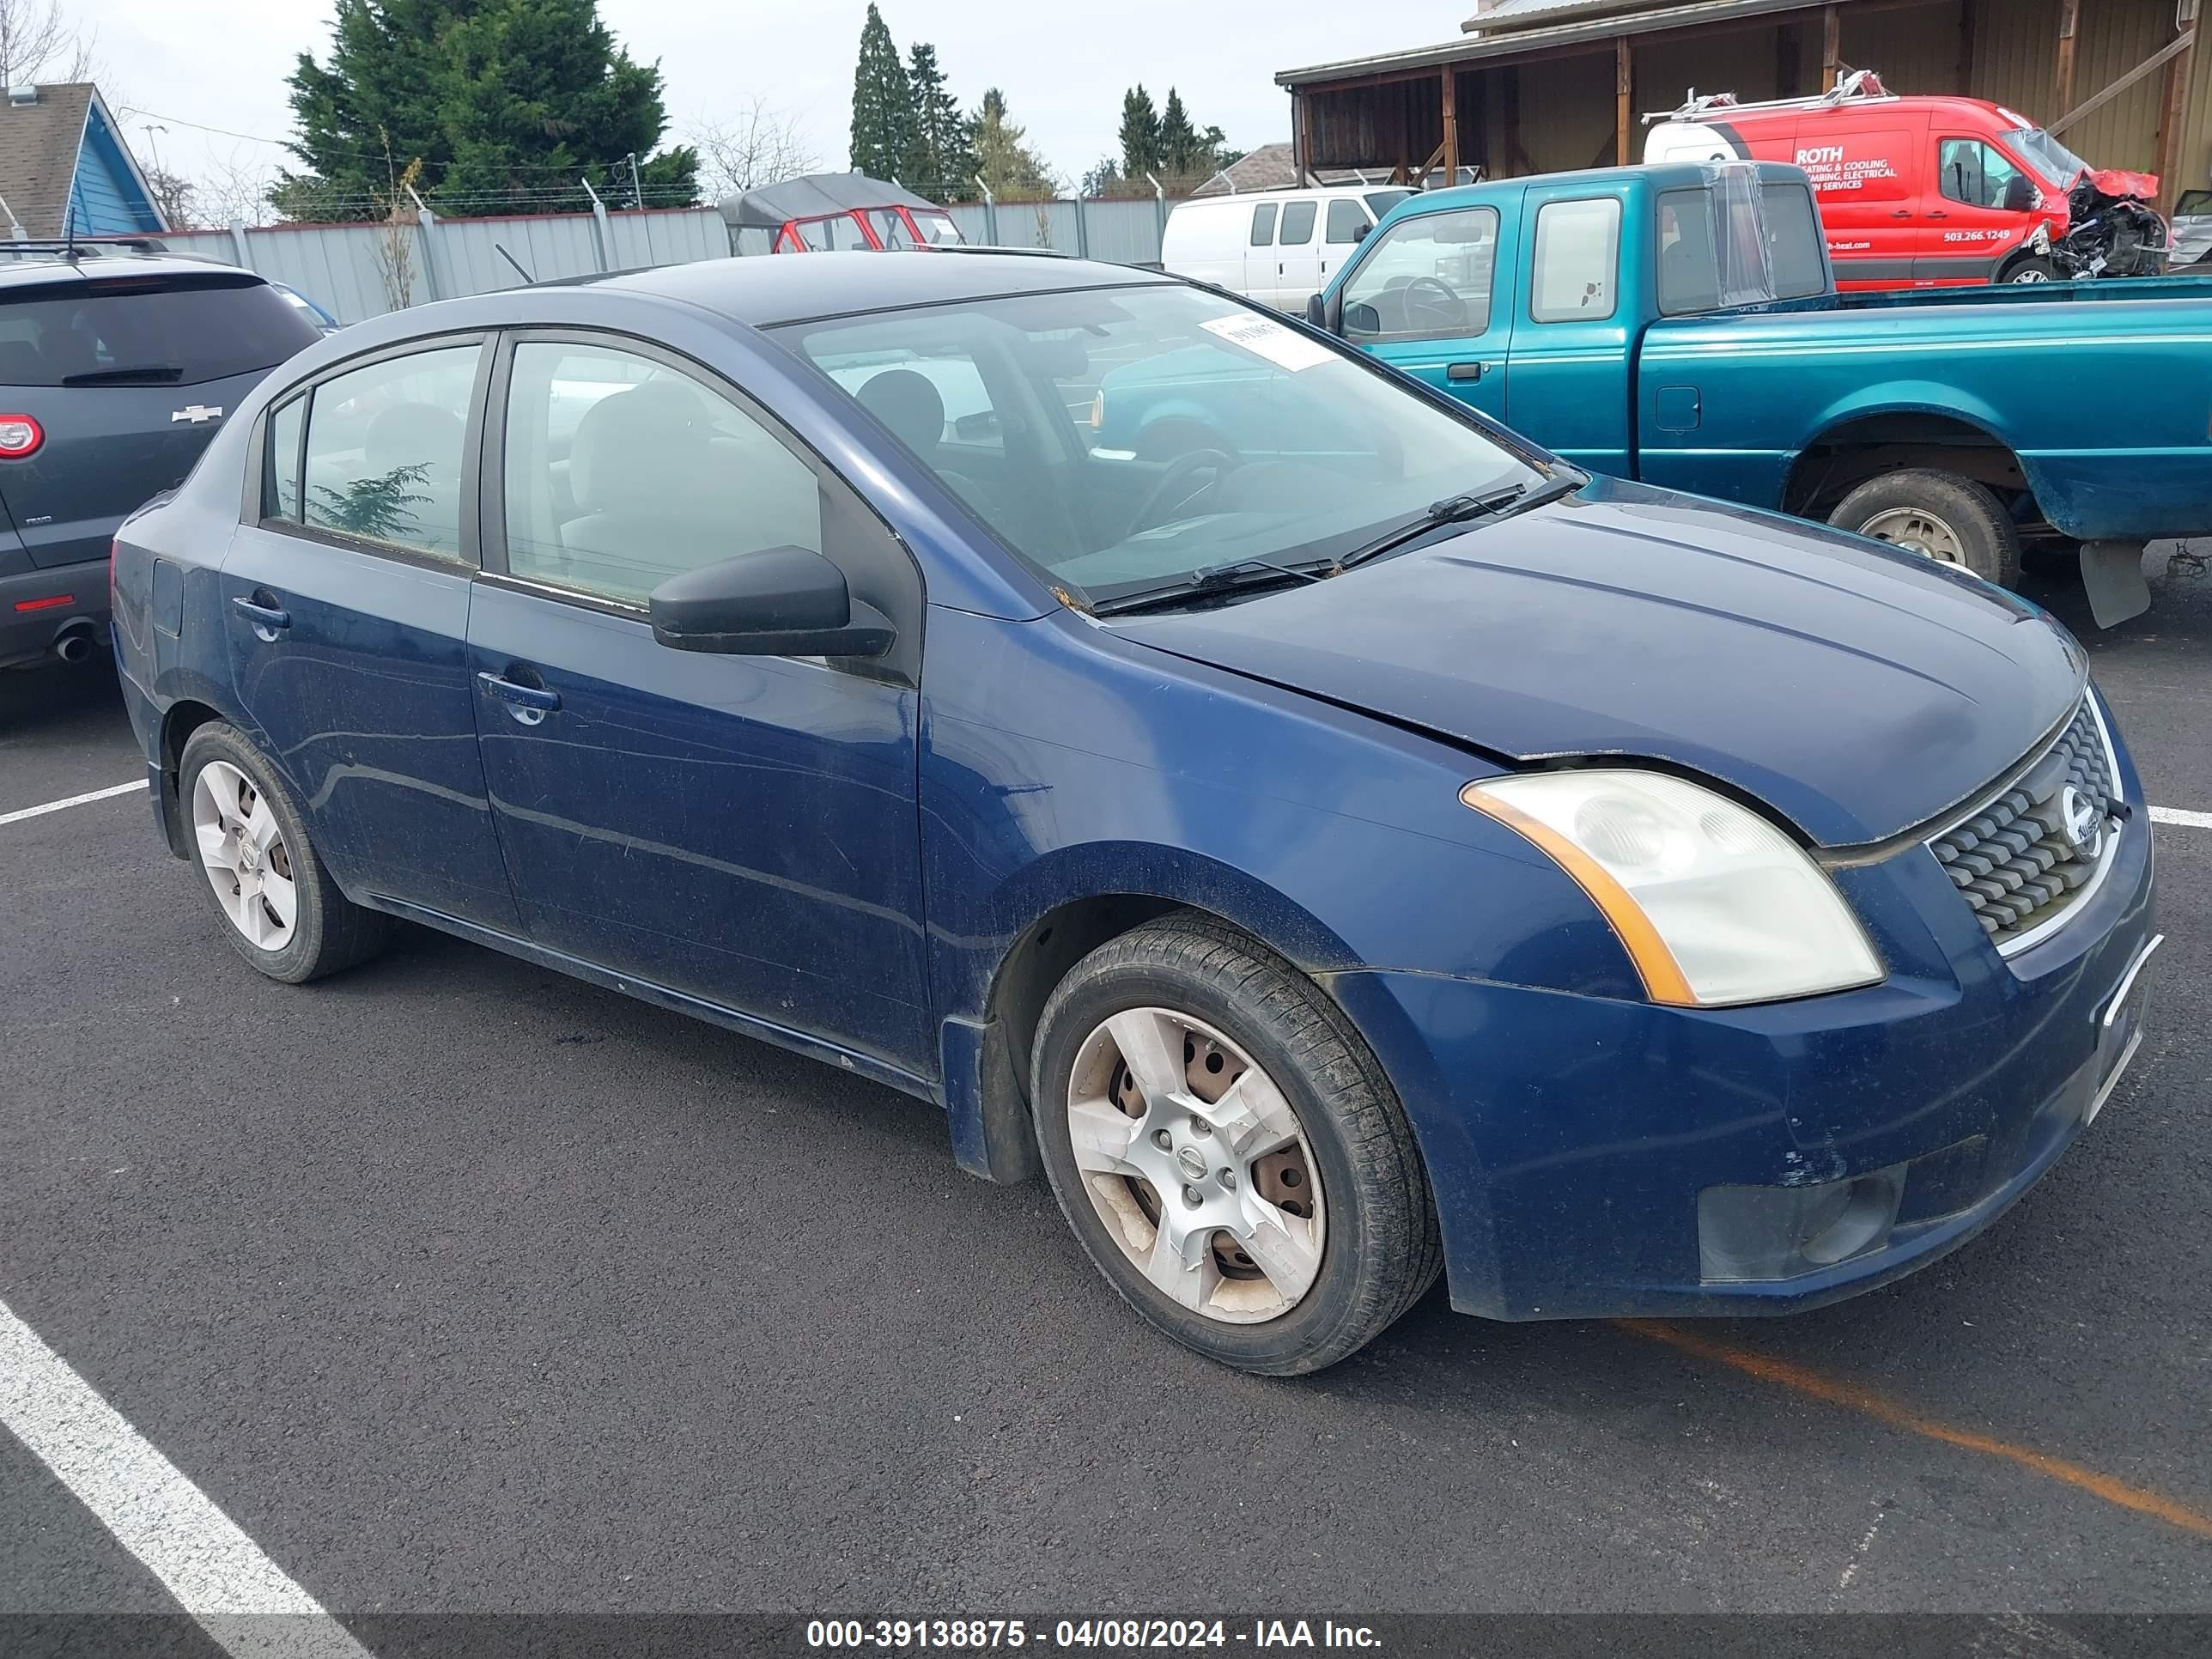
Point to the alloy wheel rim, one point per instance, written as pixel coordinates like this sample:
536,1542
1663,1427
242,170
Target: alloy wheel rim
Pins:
243,853
1917,530
1195,1162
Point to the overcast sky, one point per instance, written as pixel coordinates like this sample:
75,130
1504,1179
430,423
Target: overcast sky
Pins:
222,63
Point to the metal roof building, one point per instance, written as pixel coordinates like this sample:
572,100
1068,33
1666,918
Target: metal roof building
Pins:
1539,86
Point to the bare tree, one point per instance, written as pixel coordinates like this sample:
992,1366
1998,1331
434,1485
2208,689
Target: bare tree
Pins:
174,198
395,236
761,146
235,193
40,41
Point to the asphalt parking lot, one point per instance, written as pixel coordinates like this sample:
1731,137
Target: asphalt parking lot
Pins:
458,1285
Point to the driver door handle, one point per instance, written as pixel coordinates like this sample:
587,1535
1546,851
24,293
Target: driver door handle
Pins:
534,698
1906,213
1465,371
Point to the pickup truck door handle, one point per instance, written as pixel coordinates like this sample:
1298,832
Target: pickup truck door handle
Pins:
528,703
268,620
1465,371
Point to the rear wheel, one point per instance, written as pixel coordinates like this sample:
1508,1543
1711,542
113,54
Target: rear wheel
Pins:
281,910
2035,270
1228,1152
1940,516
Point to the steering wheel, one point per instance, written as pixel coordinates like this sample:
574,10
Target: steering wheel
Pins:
1218,462
1436,307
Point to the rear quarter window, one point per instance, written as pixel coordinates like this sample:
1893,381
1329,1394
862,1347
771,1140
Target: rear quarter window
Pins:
147,332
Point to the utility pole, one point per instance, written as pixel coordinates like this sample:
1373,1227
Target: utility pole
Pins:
636,189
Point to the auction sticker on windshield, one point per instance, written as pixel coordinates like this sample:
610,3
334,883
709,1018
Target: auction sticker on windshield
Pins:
1265,337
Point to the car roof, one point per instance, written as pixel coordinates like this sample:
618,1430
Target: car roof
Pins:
764,290
1895,103
49,270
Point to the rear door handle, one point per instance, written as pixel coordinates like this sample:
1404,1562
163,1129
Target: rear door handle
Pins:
527,701
1906,213
1465,371
268,620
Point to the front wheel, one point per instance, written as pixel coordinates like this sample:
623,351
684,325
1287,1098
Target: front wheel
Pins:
1228,1152
1940,516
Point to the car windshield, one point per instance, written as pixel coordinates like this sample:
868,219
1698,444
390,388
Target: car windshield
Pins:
2058,165
1121,440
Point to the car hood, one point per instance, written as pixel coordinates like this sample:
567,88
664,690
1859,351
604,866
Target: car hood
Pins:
1858,692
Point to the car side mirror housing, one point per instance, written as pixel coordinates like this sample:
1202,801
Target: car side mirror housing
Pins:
1317,311
1361,234
779,602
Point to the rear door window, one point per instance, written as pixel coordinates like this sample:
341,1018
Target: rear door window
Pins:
1575,277
281,493
1298,225
384,449
147,332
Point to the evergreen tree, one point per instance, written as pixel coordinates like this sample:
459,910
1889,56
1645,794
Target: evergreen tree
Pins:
883,104
1178,142
1014,172
1140,133
505,102
941,161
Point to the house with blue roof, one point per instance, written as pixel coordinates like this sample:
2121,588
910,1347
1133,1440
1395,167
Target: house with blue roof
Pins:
64,169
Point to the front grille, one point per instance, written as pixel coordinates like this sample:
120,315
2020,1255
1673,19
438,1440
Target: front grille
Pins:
2012,860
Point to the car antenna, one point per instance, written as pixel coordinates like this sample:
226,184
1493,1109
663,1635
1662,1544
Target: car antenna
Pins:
499,249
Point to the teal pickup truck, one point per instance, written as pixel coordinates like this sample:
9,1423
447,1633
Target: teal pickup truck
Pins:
1679,324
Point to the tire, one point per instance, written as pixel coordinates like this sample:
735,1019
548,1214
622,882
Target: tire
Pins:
2029,271
1949,518
1366,1244
327,931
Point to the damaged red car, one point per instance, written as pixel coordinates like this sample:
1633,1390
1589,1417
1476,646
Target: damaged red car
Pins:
1933,192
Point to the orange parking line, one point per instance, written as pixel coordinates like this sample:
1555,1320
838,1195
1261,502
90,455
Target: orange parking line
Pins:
1852,1397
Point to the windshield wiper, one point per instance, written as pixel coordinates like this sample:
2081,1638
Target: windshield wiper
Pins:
1223,578
1467,509
146,374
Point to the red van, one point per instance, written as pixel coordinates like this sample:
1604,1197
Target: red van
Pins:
1933,192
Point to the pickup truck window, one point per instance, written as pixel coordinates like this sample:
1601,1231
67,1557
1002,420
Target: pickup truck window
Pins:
1749,255
1427,278
1578,268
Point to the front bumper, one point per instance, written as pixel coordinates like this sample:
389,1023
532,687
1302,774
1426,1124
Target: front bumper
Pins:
1597,1157
72,597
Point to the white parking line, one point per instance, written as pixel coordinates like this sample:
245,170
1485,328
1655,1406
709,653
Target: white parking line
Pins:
2186,820
22,812
218,1575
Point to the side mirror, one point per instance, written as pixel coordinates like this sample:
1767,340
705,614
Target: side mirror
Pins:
1360,234
780,601
1317,311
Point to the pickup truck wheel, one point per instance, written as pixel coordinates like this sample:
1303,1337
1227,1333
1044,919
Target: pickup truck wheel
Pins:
1227,1150
282,911
1939,515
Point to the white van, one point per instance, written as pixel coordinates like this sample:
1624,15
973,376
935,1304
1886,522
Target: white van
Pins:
1278,246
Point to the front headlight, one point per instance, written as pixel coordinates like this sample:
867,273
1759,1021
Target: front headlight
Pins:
1715,905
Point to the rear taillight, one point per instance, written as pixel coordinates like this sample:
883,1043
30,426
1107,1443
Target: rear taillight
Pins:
20,435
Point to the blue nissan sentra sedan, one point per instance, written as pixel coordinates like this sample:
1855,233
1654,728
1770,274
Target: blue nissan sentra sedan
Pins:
1371,850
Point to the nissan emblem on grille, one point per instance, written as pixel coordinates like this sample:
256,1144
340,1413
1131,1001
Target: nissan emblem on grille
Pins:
2026,855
